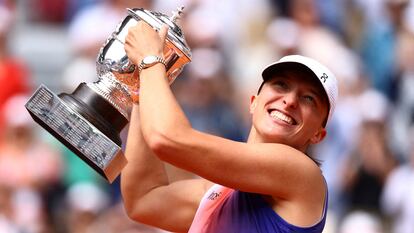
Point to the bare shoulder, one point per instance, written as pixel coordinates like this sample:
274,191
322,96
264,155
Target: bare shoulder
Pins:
309,196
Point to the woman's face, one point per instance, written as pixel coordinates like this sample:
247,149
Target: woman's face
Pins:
291,108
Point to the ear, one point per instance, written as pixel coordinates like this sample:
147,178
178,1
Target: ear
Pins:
253,103
318,136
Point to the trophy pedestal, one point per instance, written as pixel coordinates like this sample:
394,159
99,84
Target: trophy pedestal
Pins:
84,122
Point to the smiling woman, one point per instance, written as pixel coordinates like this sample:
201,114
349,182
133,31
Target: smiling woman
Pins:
288,115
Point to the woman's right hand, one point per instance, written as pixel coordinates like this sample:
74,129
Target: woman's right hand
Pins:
142,40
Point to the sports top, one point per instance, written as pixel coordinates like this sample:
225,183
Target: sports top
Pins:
224,210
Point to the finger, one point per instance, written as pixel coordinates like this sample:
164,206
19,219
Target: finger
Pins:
163,32
131,32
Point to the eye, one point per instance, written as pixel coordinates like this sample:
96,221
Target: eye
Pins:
309,99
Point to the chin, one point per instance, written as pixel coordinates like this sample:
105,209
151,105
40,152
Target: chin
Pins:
276,137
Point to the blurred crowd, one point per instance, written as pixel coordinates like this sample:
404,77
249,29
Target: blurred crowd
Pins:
367,157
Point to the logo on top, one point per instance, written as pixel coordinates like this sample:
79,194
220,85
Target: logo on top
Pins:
324,77
213,196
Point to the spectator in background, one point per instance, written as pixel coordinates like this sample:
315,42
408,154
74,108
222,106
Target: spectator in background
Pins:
29,167
404,102
235,28
361,221
49,11
26,161
379,47
6,211
84,203
312,35
207,95
398,195
13,72
368,168
74,6
371,161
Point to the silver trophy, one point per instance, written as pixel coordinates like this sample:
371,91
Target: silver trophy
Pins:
89,120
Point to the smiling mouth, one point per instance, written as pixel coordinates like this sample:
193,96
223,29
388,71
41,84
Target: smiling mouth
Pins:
275,114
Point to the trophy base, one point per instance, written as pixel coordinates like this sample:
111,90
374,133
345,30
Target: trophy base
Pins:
97,110
81,128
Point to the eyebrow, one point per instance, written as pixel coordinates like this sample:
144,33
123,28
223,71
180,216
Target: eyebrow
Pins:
316,93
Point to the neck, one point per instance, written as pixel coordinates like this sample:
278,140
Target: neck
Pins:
254,137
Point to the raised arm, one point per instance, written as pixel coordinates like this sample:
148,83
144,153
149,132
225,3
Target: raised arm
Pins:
148,195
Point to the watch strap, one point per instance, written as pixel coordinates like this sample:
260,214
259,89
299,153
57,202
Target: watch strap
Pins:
150,61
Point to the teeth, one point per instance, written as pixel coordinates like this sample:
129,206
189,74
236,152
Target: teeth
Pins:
278,115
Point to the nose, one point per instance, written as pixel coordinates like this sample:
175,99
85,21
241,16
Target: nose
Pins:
290,100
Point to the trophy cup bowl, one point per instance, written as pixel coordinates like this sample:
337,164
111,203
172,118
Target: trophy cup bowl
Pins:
89,120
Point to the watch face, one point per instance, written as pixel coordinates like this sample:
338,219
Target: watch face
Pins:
149,59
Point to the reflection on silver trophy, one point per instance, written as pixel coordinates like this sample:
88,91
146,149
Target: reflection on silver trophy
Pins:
89,120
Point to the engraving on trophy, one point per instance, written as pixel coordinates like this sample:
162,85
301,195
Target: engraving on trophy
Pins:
89,120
